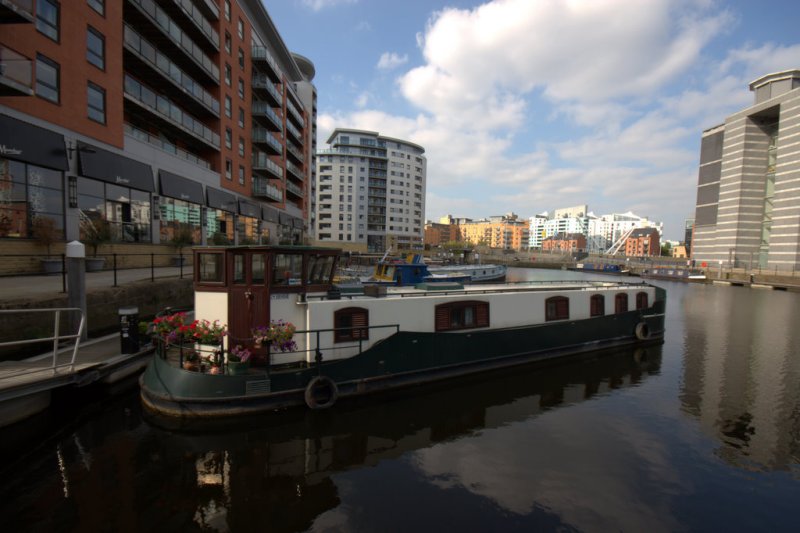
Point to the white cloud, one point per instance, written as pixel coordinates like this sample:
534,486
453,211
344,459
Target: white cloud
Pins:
390,60
363,99
627,85
319,5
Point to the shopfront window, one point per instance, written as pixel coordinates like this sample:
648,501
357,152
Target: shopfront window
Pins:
29,192
122,212
180,221
248,228
219,226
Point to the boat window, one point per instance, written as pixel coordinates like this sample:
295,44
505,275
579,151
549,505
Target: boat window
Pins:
641,300
210,268
238,268
621,303
351,323
597,305
462,315
288,270
556,308
257,264
319,269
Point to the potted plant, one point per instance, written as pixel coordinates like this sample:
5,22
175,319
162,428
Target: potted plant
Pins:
238,360
214,364
207,335
97,232
44,231
182,236
170,330
278,335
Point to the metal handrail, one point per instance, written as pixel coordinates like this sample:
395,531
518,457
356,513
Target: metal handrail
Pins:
56,338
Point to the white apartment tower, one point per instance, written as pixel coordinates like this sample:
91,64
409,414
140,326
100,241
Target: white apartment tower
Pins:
370,192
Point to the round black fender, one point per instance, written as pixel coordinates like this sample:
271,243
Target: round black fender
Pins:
642,331
321,393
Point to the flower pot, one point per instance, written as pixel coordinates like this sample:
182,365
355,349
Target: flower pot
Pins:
93,264
51,266
192,366
238,368
207,349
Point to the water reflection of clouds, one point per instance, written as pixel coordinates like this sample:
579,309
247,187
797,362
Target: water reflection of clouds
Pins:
604,490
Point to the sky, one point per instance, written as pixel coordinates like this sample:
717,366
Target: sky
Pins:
527,106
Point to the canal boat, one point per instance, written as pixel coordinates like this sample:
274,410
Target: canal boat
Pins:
603,268
352,343
675,274
477,273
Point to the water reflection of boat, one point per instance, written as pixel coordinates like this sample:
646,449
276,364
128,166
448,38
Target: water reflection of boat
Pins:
298,454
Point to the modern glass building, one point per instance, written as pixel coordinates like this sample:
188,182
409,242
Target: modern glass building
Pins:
748,192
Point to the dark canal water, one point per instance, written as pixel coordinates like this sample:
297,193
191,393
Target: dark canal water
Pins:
700,434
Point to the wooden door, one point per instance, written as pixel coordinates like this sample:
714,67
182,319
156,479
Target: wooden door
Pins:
249,294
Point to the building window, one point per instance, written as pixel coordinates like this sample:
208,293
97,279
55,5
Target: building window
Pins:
227,10
351,324
95,48
462,315
241,146
641,300
126,211
556,308
597,305
97,103
228,169
241,88
31,196
241,175
228,42
179,218
241,117
241,58
47,78
228,138
47,15
621,303
228,75
240,29
228,106
98,5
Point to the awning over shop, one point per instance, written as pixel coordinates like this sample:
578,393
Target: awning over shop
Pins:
32,144
249,210
180,188
221,200
269,214
103,165
297,223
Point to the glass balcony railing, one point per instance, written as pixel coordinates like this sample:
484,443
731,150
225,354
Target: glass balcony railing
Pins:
295,113
262,162
262,135
173,31
164,145
202,23
294,131
264,189
260,53
170,112
20,10
294,189
16,73
294,151
160,62
263,82
296,171
262,108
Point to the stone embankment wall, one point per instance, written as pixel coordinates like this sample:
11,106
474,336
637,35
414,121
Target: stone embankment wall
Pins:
102,308
22,256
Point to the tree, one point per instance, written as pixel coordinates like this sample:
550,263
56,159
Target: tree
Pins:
44,231
97,232
666,249
183,235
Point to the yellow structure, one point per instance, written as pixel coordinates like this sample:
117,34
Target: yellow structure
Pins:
504,232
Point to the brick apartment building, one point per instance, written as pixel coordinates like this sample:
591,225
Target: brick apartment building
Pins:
643,242
153,115
565,242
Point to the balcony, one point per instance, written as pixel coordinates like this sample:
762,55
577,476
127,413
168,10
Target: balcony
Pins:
16,73
169,114
266,140
295,114
263,86
168,33
172,78
296,171
16,11
267,116
295,133
294,189
262,57
263,189
164,145
264,165
298,155
201,28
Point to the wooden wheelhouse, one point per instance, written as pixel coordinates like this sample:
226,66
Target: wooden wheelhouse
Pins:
243,285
